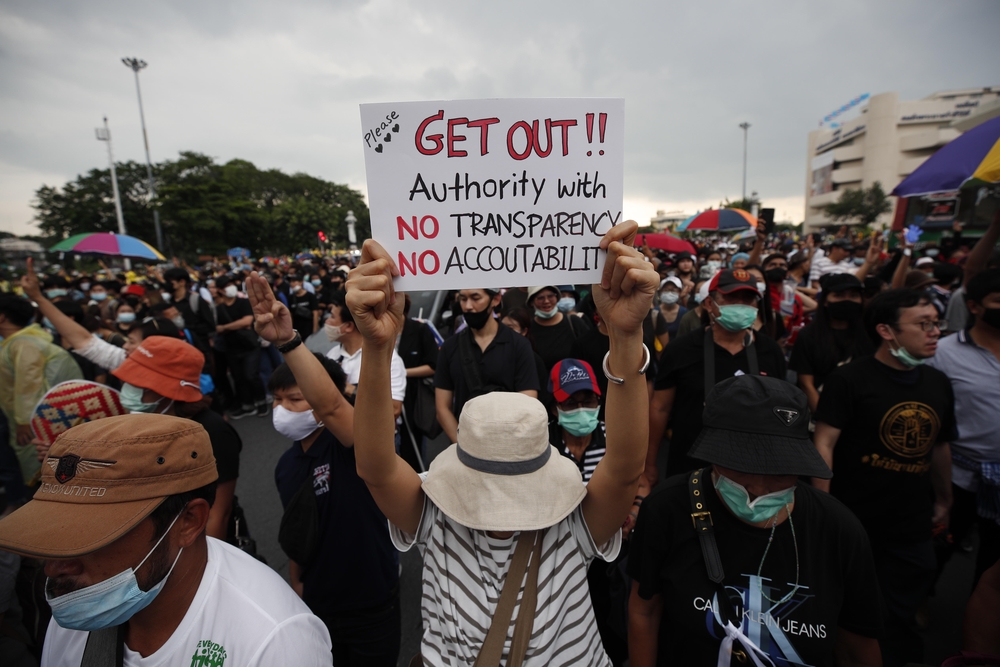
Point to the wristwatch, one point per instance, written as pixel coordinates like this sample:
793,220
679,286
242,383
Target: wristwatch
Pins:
296,340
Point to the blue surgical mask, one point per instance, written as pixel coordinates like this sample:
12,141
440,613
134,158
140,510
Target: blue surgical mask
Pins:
736,317
99,296
84,286
762,508
111,602
55,293
579,422
566,304
904,356
859,261
669,298
126,318
316,283
545,314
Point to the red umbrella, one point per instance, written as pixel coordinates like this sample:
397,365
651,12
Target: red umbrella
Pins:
665,242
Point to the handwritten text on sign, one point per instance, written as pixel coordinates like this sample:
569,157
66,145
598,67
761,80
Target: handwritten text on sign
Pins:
494,193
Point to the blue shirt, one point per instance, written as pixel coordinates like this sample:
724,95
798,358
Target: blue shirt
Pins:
975,378
356,565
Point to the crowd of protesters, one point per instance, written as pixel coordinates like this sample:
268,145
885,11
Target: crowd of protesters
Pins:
759,454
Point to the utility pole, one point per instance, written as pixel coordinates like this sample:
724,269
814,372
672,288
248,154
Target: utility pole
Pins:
135,65
104,134
745,126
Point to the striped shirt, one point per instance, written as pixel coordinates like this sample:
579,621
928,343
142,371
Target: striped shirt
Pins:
463,574
592,455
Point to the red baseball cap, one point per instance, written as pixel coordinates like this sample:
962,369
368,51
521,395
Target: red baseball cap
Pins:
733,280
570,376
169,366
134,289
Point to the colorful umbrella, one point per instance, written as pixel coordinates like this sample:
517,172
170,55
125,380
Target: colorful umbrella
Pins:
721,219
971,160
665,242
101,243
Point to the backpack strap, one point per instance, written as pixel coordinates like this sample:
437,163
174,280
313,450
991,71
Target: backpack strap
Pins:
105,648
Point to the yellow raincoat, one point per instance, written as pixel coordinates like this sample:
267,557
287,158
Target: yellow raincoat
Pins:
30,364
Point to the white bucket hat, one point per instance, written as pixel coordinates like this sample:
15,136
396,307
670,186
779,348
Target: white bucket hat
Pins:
503,474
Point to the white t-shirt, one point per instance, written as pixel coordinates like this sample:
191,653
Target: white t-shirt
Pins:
243,615
822,266
463,574
351,363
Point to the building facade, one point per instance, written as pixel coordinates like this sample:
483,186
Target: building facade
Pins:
884,143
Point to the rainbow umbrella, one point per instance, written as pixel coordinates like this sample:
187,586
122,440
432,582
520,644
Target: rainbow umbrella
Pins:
107,243
720,219
971,160
665,242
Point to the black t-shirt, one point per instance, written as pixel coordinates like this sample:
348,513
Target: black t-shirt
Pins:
591,347
240,340
814,356
837,582
555,343
682,366
662,326
300,305
226,444
889,423
508,362
355,566
417,347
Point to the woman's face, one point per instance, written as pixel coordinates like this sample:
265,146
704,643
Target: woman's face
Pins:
513,325
124,308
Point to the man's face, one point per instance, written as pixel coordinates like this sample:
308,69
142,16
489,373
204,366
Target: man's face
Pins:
844,295
474,300
291,399
991,300
171,312
776,263
545,300
66,575
837,254
335,320
178,284
909,333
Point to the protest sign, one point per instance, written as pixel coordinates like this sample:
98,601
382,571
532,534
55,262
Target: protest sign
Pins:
494,193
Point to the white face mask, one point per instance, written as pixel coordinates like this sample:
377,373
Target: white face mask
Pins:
230,291
294,425
333,332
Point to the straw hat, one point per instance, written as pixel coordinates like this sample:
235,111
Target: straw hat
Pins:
503,474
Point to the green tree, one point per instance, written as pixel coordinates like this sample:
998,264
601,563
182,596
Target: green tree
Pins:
206,207
861,206
746,204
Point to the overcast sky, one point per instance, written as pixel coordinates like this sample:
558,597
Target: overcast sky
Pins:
279,83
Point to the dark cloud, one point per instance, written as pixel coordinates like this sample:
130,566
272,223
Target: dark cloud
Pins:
280,83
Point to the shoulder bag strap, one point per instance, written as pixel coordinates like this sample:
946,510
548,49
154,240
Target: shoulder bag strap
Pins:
701,518
526,614
751,348
492,650
105,648
470,367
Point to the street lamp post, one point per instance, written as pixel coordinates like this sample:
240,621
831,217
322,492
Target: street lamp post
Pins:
135,65
352,235
745,126
104,134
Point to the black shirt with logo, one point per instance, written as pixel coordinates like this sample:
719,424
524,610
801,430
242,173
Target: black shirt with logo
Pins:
889,423
814,356
682,366
355,566
302,307
555,342
836,578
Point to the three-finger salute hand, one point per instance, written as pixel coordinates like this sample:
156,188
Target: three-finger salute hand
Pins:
29,282
625,295
271,319
371,298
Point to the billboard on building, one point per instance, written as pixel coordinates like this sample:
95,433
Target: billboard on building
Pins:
822,174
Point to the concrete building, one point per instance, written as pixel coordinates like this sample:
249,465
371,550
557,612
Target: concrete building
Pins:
665,221
885,143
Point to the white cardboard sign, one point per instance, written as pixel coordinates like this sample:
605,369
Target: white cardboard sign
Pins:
494,193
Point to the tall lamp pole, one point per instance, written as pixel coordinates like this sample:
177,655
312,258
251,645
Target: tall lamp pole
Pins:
745,126
135,65
352,235
104,134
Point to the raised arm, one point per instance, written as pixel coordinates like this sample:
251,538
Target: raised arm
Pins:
758,245
378,314
71,332
273,323
871,257
623,298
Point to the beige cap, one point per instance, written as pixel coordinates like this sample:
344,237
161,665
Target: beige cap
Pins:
102,478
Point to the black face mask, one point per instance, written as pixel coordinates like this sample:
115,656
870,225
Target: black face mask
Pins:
478,320
844,310
991,316
775,275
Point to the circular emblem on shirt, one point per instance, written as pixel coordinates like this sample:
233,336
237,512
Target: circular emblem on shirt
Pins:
910,429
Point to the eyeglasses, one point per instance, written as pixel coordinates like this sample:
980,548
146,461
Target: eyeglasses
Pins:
927,325
570,404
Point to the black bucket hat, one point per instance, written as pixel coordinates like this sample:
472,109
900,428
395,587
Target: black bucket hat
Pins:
760,426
